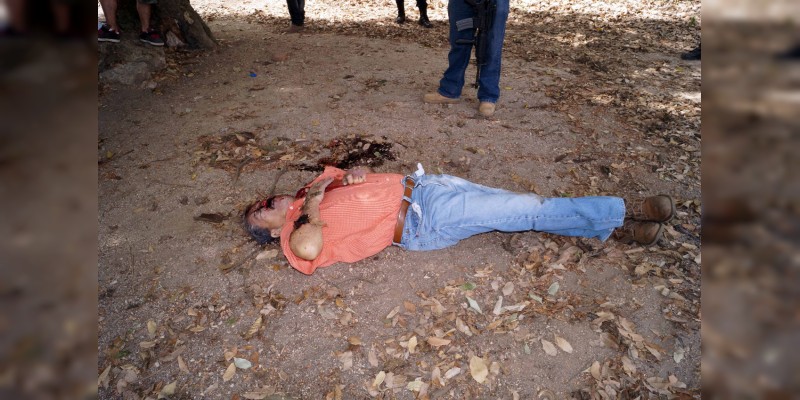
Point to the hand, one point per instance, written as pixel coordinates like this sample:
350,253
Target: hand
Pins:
355,176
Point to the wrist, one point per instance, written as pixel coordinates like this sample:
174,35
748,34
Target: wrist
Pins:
305,219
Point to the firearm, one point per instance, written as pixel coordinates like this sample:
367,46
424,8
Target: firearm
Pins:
482,23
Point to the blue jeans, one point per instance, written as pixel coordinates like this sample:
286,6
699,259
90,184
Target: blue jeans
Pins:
446,209
489,83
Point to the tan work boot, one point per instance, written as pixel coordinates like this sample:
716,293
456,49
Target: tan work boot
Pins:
486,109
436,98
295,28
659,208
645,233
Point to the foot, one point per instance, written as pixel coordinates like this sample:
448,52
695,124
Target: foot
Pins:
659,208
401,19
645,233
486,108
295,28
790,55
105,34
436,98
151,37
691,55
425,22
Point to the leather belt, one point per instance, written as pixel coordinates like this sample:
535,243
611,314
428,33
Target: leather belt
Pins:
401,216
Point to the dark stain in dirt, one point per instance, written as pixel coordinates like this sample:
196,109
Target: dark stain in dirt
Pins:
214,218
244,151
358,152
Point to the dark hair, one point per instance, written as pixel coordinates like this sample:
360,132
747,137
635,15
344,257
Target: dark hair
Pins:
261,235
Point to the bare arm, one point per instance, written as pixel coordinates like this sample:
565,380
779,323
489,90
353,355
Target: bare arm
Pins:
306,239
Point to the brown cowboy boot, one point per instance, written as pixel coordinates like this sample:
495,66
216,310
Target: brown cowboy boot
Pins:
659,208
645,233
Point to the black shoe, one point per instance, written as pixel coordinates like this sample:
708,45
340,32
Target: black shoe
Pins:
425,22
401,19
105,34
791,54
152,37
691,55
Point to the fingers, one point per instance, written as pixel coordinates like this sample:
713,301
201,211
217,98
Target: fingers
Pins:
351,179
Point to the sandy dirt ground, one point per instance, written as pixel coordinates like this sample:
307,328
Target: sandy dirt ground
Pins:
595,101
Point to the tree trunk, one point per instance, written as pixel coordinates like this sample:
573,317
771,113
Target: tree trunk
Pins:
176,19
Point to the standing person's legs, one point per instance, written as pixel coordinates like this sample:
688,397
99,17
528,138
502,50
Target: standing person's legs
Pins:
61,14
148,35
144,10
422,5
401,12
489,81
110,11
452,81
17,15
296,11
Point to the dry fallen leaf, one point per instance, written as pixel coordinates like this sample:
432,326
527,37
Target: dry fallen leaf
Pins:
346,359
267,254
228,375
409,306
474,305
494,369
182,365
563,344
354,340
498,307
253,328
553,289
436,377
478,369
372,358
628,366
393,312
595,370
210,389
379,379
259,394
462,327
147,345
229,354
654,349
452,372
151,328
549,348
412,344
167,390
242,363
102,380
678,354
508,289
415,385
436,342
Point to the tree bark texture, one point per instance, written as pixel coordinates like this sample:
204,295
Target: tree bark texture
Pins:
175,18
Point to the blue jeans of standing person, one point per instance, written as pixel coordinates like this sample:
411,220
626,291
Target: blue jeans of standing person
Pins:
446,209
297,11
489,83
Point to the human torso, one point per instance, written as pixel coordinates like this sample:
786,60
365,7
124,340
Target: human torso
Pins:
359,220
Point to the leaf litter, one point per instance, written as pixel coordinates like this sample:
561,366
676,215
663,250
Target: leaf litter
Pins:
673,280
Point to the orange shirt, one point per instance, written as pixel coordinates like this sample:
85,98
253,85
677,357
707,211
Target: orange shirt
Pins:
359,220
